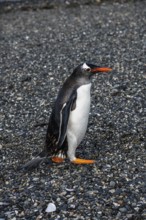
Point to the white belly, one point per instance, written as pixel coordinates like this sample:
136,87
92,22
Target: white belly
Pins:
78,119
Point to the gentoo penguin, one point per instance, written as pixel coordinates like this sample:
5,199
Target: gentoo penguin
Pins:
69,118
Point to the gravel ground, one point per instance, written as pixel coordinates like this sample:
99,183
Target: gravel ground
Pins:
38,50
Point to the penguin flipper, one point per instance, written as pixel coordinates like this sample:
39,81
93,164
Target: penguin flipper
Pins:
64,116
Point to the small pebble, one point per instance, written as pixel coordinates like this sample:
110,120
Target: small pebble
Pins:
51,207
112,191
122,209
69,190
112,183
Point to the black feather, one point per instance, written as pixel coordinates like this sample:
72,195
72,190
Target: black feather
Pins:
34,163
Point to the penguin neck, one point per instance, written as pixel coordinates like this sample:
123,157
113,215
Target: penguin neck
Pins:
82,80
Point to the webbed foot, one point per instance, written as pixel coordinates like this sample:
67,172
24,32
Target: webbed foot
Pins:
57,159
83,161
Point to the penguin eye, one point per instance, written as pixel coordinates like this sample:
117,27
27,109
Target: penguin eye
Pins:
88,69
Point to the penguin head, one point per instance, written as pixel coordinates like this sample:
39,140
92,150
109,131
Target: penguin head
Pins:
88,70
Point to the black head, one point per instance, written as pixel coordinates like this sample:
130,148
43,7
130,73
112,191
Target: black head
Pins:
87,70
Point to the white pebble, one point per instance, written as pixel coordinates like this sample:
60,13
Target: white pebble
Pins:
51,208
69,190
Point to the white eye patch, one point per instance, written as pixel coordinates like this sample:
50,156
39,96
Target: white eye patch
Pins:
85,66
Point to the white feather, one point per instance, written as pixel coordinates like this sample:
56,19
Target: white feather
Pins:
85,66
78,120
60,121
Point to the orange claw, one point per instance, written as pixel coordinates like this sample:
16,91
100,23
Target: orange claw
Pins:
57,159
83,161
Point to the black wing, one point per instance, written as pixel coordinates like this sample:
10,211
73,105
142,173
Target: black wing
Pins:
64,116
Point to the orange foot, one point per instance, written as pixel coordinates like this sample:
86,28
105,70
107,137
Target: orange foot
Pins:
83,161
57,159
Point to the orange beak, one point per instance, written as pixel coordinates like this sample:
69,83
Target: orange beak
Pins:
100,69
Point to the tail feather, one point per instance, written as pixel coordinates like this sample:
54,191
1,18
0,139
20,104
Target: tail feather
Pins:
34,163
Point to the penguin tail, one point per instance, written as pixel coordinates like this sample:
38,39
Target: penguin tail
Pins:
34,163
